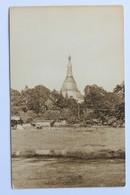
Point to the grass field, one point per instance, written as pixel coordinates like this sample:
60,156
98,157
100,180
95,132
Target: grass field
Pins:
70,139
93,157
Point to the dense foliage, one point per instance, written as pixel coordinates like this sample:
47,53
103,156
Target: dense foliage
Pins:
99,106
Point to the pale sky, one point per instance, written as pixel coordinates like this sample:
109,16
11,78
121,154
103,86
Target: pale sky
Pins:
41,38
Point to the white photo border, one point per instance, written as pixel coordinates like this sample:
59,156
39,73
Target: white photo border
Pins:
5,146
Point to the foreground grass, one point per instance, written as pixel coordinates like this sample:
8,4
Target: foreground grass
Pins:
65,172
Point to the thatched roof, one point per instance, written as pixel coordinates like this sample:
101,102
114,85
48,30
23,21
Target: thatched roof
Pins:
15,118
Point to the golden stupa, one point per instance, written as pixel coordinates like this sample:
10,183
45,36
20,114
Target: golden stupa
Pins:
69,87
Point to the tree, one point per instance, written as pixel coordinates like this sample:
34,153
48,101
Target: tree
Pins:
120,112
102,104
94,96
120,106
34,99
58,100
119,88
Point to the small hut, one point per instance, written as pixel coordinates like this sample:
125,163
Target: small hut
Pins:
60,123
43,123
16,120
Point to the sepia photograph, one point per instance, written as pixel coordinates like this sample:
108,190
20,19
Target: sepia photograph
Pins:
67,96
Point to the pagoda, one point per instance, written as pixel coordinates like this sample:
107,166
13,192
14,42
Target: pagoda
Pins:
69,88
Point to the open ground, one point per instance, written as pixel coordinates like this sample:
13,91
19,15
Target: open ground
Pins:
68,157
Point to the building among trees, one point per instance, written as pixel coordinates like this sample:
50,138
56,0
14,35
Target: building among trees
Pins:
69,87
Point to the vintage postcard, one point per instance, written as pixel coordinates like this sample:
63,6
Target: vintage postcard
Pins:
67,96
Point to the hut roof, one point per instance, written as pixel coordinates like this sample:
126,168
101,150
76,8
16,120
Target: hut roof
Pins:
16,118
95,120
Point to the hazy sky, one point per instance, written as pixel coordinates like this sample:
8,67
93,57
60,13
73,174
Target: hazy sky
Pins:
42,38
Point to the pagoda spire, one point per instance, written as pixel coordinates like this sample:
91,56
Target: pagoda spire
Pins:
69,67
69,87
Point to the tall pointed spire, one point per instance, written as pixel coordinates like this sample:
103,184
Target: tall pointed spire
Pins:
69,86
69,67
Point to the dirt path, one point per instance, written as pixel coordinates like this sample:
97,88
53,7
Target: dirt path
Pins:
64,172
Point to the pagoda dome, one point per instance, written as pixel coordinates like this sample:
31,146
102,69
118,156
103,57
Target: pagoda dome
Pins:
69,87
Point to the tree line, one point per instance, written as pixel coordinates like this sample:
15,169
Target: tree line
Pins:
99,106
